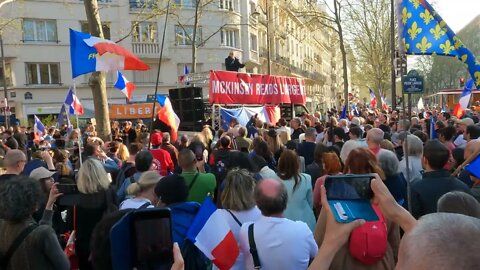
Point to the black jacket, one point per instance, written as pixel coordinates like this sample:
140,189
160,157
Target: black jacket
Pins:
232,64
432,186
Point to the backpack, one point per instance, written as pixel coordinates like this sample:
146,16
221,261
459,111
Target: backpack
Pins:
193,257
121,175
368,243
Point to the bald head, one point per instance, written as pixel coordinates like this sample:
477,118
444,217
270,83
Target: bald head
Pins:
374,137
271,197
438,241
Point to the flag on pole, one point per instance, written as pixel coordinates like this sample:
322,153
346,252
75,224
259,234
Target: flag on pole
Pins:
38,128
462,104
63,118
124,85
424,32
343,115
89,54
420,105
373,99
433,132
384,102
186,71
73,102
211,233
168,116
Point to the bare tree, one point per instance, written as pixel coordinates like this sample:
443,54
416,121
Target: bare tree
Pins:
97,81
368,27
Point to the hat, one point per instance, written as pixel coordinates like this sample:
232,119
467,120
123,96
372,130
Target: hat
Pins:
40,173
465,121
13,156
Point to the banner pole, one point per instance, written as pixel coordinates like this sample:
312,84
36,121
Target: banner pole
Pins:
80,143
158,74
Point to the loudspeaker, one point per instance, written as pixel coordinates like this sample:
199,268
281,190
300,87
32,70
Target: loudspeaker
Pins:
188,105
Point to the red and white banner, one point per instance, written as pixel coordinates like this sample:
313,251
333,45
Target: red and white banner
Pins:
244,88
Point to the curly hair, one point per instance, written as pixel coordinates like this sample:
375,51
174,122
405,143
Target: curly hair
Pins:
19,198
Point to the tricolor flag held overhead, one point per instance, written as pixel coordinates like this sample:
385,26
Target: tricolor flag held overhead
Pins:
168,116
212,235
89,54
384,102
424,32
124,85
74,103
462,104
373,99
38,128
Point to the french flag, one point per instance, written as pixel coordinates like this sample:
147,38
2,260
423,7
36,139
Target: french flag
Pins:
464,100
168,116
373,99
212,235
75,106
90,54
38,128
124,85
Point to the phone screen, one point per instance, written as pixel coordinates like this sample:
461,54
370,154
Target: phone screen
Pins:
153,238
353,187
67,189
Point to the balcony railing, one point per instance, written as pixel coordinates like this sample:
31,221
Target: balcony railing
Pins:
146,49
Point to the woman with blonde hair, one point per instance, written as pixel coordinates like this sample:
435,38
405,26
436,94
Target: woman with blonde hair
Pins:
274,143
299,188
95,199
239,205
143,192
123,154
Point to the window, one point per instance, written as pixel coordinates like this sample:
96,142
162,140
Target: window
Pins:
184,35
134,4
145,32
43,73
253,42
229,37
226,4
105,27
8,74
40,30
186,3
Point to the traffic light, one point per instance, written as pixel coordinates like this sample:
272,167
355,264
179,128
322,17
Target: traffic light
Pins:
462,82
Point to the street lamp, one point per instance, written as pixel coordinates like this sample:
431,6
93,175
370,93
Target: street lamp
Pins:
5,91
266,12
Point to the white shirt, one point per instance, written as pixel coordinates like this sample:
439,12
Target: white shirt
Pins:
460,141
282,244
249,216
267,173
135,203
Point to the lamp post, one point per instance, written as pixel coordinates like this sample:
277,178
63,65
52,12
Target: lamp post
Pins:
5,90
266,12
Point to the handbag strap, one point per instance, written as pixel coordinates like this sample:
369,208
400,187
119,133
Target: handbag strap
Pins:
234,217
193,181
253,248
16,243
145,205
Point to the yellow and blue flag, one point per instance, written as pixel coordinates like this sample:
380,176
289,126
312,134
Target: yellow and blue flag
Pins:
424,32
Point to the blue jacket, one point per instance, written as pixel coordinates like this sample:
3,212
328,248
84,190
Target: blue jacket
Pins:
183,215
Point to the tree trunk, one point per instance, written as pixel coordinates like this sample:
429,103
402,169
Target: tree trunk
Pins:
194,36
97,81
342,50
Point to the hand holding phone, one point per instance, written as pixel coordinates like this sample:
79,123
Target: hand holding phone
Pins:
67,189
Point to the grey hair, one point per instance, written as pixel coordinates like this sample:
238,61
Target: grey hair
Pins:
415,146
459,202
404,123
388,161
439,239
311,132
19,198
375,135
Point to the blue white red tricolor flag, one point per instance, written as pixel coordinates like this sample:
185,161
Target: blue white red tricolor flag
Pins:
89,54
168,116
384,102
212,235
373,99
124,85
74,103
38,127
462,104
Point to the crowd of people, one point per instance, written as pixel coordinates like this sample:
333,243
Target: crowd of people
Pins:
271,176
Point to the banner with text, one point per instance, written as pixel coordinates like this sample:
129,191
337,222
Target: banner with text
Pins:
245,88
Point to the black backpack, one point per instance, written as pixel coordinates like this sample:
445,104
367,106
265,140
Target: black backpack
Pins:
121,175
193,257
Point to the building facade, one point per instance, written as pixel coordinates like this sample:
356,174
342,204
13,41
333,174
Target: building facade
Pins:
37,48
